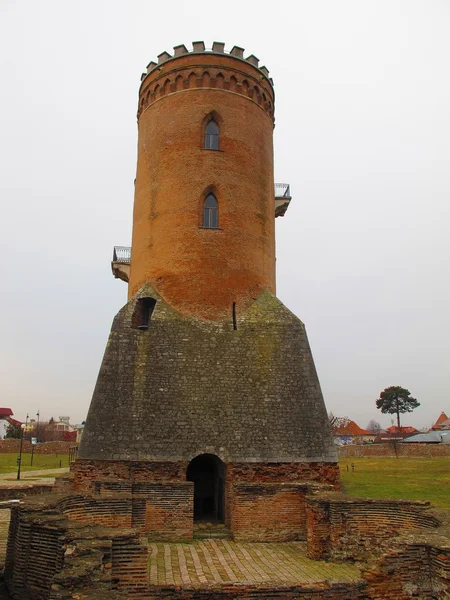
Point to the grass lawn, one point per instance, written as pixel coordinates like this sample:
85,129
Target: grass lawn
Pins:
403,478
8,462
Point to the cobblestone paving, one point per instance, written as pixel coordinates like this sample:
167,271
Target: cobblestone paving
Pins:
220,561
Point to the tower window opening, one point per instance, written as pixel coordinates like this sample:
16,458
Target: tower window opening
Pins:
143,313
212,136
210,212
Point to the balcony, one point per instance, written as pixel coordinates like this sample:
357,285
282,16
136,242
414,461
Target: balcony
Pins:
120,264
282,198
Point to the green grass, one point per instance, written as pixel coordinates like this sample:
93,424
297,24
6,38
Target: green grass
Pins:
404,478
8,462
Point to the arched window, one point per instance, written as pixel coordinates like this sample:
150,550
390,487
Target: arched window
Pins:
212,136
210,212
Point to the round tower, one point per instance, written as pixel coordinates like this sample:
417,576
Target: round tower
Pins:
207,403
203,223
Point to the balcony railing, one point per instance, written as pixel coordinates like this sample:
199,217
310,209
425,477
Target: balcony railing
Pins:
120,264
282,198
122,254
282,190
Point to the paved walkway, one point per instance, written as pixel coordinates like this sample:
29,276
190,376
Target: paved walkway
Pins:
27,477
220,561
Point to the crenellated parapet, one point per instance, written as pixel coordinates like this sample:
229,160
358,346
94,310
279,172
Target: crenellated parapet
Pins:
207,68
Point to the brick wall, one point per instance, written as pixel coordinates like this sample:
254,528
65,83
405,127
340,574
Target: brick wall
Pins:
342,528
129,566
12,446
440,571
119,472
403,574
268,512
405,450
34,555
266,502
50,558
349,591
163,510
108,512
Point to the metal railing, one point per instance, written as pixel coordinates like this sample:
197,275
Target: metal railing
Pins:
282,190
73,453
122,254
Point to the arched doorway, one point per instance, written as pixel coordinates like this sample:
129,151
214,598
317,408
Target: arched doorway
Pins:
207,472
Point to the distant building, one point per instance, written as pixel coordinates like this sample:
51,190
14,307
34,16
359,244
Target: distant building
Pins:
353,434
395,434
443,422
432,437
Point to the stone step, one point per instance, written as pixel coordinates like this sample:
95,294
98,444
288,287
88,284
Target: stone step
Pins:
206,530
217,534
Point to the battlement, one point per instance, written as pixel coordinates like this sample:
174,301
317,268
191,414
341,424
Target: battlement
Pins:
200,48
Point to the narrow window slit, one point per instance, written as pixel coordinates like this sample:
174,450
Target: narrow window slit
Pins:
143,313
234,316
210,212
212,136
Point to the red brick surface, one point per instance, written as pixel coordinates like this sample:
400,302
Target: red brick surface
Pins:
170,249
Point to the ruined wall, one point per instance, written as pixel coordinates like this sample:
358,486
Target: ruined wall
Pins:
413,571
51,558
343,528
406,544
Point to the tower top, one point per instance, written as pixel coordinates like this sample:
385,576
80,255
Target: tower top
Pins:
199,48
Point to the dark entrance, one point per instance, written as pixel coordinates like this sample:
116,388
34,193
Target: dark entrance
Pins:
207,472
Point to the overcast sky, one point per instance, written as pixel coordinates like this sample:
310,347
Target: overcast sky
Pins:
362,135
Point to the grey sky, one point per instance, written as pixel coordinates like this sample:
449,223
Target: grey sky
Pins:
362,135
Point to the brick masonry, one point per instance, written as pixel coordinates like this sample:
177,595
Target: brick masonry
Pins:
340,527
202,271
407,544
12,446
53,556
263,501
193,387
407,450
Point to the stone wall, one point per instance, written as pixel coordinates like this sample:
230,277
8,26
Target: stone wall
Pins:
12,446
407,450
32,489
193,387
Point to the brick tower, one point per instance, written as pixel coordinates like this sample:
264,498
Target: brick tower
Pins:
207,404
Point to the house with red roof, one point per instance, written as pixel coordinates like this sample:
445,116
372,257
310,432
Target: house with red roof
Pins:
443,422
351,433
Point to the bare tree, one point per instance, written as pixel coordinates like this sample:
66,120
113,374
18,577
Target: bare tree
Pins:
373,426
337,423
